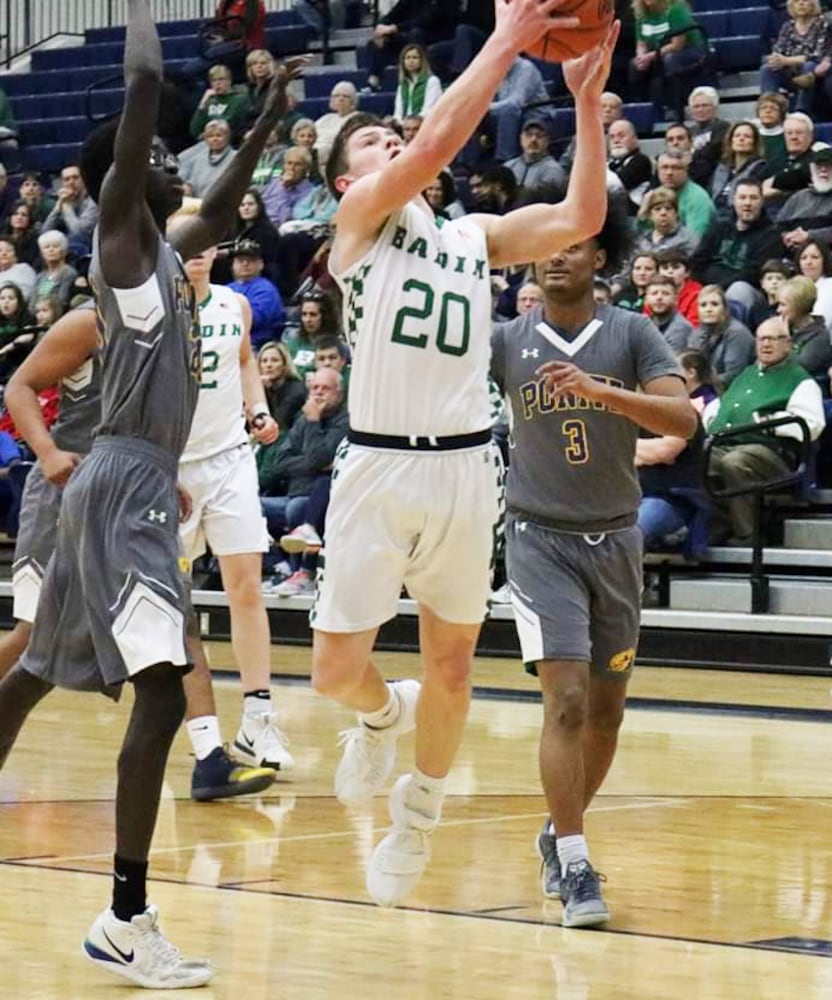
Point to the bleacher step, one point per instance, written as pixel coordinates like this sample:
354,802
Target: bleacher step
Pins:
808,533
788,596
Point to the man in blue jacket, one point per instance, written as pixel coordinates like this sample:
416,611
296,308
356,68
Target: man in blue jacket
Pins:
268,316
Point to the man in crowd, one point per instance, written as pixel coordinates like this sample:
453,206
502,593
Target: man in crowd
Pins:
75,214
535,167
696,209
660,300
793,174
267,313
627,161
206,160
284,192
807,214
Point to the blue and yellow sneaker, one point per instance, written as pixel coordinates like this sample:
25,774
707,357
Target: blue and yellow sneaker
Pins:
219,776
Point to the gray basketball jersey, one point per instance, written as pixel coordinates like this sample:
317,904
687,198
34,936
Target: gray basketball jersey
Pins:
150,353
79,404
571,462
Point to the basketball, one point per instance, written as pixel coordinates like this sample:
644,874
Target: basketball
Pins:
561,44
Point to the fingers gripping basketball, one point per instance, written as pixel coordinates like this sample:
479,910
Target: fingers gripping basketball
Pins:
560,44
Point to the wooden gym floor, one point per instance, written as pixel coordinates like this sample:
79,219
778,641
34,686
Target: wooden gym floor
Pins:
713,829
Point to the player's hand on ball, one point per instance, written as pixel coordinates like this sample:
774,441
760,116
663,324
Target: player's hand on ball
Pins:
58,466
587,76
524,21
562,378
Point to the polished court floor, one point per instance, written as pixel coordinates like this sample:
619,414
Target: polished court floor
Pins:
714,830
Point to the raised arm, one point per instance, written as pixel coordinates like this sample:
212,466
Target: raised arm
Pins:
371,199
68,344
219,204
127,232
537,231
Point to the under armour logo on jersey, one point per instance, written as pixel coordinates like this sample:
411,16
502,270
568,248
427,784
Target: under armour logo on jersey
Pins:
157,516
529,352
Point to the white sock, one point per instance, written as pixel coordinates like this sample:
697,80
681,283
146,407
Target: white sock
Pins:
256,704
384,717
572,849
204,732
425,795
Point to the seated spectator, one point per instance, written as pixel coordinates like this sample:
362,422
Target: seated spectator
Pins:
678,139
611,108
305,134
732,252
601,292
251,223
13,271
696,210
423,23
701,380
529,296
418,89
797,54
535,167
75,214
270,162
8,129
220,103
332,352
773,274
675,264
240,27
632,294
791,174
493,189
809,333
807,214
32,193
294,467
521,86
627,162
742,159
775,385
814,261
664,51
317,318
727,343
282,194
441,196
201,164
46,311
343,102
17,336
708,133
410,126
771,113
660,211
23,230
55,277
267,313
660,305
313,212
260,69
285,390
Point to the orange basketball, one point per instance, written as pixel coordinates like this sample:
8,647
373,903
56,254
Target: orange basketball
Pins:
561,44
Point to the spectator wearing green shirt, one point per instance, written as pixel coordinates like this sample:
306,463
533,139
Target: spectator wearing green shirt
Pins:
696,208
221,102
664,50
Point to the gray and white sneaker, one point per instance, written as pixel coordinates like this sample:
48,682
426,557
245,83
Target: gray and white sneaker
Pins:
546,845
580,891
370,754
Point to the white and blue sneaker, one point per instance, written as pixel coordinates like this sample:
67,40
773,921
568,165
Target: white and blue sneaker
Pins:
138,950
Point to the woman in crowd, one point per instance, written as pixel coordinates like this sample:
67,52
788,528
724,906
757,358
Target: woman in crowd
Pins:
742,160
798,58
441,196
15,339
631,294
305,134
418,89
47,310
771,111
701,380
727,343
659,211
260,67
809,333
317,316
56,277
252,223
285,392
23,230
814,261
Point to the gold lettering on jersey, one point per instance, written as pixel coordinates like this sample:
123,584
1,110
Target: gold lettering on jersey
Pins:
538,399
418,247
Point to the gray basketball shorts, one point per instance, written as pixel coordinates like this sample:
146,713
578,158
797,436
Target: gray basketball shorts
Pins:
114,600
575,597
39,509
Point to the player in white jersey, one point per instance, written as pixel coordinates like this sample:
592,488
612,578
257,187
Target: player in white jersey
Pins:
416,491
218,470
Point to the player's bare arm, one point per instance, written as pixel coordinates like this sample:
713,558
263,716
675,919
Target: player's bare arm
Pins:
67,345
263,425
127,232
219,206
538,231
404,172
662,408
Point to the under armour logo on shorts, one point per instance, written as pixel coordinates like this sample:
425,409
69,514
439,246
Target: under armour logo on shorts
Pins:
157,516
530,352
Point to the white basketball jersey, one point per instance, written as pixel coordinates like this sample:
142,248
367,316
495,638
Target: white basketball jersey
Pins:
417,311
219,423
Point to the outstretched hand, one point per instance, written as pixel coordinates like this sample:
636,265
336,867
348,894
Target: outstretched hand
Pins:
276,104
587,75
526,21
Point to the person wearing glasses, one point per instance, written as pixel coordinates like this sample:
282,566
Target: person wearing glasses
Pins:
75,214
